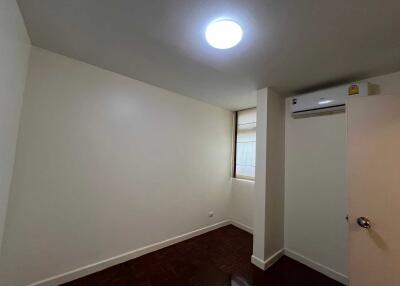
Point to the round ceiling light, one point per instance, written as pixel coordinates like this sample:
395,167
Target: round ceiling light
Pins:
223,34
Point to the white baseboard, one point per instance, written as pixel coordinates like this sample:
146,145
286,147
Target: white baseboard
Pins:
262,264
317,266
101,265
242,226
265,264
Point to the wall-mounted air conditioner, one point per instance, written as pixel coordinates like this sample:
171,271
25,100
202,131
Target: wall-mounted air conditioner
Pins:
326,101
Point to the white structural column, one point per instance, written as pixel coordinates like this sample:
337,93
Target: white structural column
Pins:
269,186
259,238
14,60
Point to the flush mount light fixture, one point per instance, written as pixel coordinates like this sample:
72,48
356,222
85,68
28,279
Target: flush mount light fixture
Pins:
224,34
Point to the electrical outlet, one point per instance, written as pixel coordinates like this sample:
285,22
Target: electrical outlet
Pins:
211,214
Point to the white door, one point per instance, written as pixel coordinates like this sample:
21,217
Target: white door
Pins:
374,190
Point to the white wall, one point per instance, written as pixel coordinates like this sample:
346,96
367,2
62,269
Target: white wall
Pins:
386,84
315,193
14,57
105,165
241,207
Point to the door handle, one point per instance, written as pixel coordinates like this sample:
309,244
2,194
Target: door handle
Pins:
364,222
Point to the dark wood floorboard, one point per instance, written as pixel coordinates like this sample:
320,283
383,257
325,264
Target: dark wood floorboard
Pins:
217,258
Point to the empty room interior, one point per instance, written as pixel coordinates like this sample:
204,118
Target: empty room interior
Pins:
204,143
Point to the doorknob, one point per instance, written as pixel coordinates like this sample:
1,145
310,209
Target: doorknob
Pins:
364,222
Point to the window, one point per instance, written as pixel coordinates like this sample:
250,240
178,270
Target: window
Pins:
245,144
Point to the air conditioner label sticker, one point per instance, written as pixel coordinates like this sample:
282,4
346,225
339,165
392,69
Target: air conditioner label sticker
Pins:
354,89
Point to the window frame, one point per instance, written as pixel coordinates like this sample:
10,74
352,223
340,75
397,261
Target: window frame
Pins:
235,175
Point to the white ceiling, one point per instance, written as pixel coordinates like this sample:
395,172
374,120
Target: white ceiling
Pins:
289,45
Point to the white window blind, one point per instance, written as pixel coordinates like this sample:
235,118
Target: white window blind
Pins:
245,160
